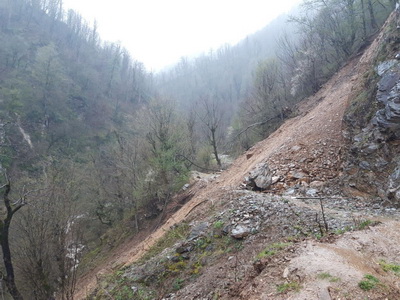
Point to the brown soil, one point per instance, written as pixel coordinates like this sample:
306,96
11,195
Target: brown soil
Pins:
317,130
344,262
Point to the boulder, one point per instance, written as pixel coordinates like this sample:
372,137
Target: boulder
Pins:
198,231
260,177
240,232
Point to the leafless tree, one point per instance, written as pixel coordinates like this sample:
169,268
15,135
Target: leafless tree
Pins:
210,114
11,208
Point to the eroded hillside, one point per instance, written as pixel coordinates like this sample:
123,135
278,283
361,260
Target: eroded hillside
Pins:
313,234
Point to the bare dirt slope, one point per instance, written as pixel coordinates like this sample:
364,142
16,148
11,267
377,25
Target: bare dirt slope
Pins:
312,143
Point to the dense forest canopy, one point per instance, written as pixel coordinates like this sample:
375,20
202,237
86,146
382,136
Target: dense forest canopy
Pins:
91,140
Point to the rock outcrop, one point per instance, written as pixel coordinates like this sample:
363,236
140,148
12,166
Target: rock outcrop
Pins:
373,162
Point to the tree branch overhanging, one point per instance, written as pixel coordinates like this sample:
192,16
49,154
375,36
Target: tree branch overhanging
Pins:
253,125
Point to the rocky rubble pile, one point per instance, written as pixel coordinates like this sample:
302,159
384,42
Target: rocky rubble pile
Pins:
258,211
305,171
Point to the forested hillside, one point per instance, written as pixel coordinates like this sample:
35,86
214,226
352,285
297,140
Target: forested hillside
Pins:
93,147
257,82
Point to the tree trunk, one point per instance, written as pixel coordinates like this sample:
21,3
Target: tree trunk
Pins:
364,23
372,15
5,245
10,277
214,145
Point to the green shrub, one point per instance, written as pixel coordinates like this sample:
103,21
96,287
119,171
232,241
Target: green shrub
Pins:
368,283
272,249
389,267
218,224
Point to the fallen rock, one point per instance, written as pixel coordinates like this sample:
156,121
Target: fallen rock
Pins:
260,178
295,148
198,231
365,165
299,175
275,179
285,273
240,232
370,148
312,192
316,184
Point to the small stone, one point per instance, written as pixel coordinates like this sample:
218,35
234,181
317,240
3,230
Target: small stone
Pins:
312,192
371,148
183,248
295,148
316,184
365,165
285,273
175,259
227,228
299,175
275,179
290,191
376,206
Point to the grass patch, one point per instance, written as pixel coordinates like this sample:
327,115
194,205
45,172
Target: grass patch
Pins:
168,240
390,267
368,283
329,277
343,230
272,249
286,287
364,224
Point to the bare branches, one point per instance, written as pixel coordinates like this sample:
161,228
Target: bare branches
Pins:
211,116
251,126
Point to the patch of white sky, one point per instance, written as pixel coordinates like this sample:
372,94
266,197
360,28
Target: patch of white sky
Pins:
159,32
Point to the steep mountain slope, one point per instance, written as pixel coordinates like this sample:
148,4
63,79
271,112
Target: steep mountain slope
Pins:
230,243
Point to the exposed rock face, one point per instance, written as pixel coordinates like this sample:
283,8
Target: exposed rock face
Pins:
260,178
389,95
394,185
373,151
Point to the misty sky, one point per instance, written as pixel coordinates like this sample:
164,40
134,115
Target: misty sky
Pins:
159,32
